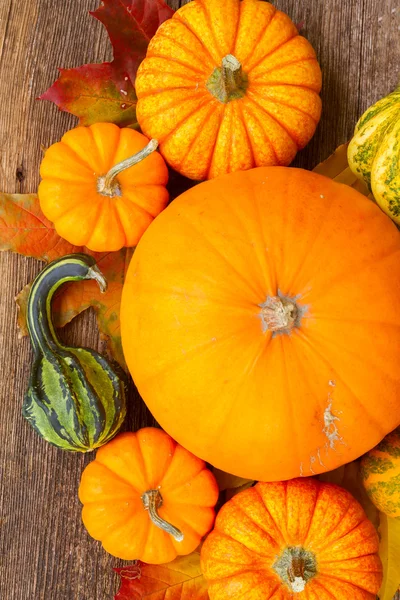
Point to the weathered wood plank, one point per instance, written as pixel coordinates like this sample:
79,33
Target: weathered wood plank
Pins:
44,550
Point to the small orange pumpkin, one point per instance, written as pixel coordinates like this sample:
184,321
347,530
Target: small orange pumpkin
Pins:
102,186
228,85
299,539
147,498
271,324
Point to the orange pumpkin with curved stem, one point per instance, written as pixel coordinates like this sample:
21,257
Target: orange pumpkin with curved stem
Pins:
228,85
299,539
147,498
269,329
102,186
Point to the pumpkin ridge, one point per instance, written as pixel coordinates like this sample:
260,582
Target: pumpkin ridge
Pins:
283,528
259,38
286,64
217,252
210,23
167,89
329,595
295,108
355,585
214,144
201,104
239,107
317,497
102,206
295,35
192,143
256,118
115,475
199,94
274,542
250,96
201,347
83,159
222,533
187,66
178,43
336,377
78,158
188,27
154,71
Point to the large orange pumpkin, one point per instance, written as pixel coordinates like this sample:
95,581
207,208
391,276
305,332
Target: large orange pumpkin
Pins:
228,85
261,322
102,186
301,539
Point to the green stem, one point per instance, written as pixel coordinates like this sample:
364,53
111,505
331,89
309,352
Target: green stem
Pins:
107,184
152,500
228,82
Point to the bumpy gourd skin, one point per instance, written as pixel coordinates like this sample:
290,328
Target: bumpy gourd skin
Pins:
374,152
208,125
380,469
75,398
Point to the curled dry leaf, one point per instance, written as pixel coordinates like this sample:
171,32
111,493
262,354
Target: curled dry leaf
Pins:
105,92
181,580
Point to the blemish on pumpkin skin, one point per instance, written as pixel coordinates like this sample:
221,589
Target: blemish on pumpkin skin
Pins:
330,421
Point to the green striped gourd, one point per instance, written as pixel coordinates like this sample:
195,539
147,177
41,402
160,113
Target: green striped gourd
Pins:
75,399
374,152
380,469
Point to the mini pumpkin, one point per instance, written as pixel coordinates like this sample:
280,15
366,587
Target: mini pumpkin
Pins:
147,498
380,469
102,186
228,85
374,154
300,539
270,328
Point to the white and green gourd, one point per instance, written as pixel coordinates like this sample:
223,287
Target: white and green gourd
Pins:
75,398
374,152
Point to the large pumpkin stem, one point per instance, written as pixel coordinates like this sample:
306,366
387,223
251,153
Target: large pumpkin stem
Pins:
152,500
107,185
296,566
279,314
228,82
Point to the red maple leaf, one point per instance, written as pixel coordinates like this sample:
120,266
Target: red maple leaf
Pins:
105,92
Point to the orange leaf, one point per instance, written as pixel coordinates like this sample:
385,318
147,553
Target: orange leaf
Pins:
180,579
24,229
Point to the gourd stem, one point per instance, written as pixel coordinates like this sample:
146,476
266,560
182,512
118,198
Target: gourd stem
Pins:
228,82
152,500
73,267
107,186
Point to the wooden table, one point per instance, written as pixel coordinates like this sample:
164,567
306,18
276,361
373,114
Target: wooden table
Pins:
45,553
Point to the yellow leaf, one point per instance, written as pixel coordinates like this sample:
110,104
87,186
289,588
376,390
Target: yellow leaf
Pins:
389,552
226,481
336,167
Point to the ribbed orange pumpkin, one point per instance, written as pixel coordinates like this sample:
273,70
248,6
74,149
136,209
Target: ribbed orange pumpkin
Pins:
95,196
147,498
301,539
260,322
228,85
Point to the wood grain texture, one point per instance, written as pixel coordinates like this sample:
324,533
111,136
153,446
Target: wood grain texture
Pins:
45,553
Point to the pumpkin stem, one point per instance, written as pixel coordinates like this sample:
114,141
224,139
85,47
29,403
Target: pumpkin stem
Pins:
279,314
296,566
152,500
107,184
228,82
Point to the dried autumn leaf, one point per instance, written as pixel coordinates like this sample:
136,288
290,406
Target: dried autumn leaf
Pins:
389,552
105,92
336,167
180,579
25,230
226,481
